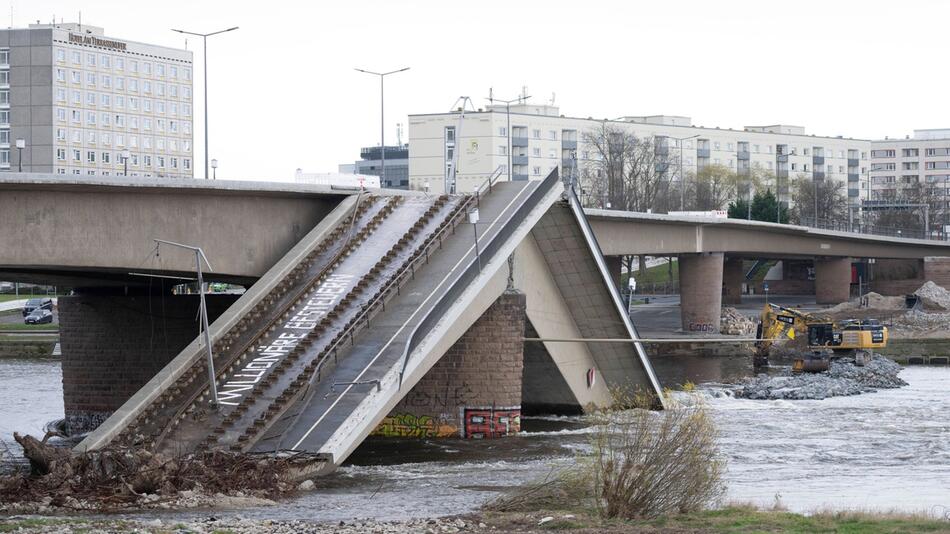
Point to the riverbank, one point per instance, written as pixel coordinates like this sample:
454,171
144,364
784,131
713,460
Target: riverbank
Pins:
736,518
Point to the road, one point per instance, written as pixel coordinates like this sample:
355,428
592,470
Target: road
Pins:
661,317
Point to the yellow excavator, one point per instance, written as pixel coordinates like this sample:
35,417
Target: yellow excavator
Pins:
824,338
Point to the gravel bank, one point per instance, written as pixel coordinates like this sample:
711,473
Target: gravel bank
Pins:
842,378
242,526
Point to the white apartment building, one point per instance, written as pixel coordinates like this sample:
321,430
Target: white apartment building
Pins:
901,163
75,102
542,139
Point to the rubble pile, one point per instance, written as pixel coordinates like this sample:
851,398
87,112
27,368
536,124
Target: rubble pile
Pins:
872,300
841,379
933,297
734,323
114,479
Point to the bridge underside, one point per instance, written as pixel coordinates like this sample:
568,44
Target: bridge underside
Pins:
358,315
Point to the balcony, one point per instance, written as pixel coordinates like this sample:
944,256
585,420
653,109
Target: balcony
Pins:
781,158
568,144
854,177
853,193
853,162
781,173
661,150
818,160
518,177
519,160
519,141
702,152
818,175
743,155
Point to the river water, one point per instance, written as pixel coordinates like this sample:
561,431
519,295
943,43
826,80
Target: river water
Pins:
882,451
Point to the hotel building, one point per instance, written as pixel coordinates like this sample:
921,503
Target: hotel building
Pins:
75,102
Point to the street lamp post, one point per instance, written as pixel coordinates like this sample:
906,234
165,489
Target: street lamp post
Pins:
204,45
382,118
214,168
682,176
125,161
20,145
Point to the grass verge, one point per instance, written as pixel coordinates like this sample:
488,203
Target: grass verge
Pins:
730,519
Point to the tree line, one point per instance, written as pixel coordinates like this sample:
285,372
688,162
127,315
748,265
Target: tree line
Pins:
623,171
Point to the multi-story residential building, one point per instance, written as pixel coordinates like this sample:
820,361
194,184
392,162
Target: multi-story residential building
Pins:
541,139
898,164
81,103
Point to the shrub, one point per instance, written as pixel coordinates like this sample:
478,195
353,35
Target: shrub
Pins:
650,463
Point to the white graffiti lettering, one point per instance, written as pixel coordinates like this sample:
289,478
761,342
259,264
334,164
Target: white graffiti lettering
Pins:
306,318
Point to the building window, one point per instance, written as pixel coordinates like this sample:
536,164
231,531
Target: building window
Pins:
75,116
91,60
119,63
91,118
133,86
147,87
75,76
91,137
90,156
90,78
107,81
61,154
60,134
147,160
77,136
106,62
60,94
76,97
77,155
106,157
120,101
120,83
5,56
60,55
536,134
107,101
60,75
90,98
133,65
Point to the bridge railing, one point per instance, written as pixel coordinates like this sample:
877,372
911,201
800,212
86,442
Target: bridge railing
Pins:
435,314
859,227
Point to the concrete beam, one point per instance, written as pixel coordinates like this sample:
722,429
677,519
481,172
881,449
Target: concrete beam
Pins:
701,292
629,233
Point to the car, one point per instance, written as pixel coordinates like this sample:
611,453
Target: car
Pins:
32,304
39,316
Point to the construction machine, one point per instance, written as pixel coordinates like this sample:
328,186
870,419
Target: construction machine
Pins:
819,338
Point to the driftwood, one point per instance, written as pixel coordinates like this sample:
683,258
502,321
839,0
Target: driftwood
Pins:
120,475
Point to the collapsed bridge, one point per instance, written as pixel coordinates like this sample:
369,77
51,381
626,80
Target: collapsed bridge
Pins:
389,317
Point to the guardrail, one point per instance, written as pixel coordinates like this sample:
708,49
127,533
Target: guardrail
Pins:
471,272
405,274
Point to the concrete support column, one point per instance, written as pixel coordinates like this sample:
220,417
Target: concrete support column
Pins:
701,292
832,280
113,345
732,279
615,266
474,391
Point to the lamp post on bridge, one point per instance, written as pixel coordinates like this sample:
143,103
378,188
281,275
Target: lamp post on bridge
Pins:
204,46
382,118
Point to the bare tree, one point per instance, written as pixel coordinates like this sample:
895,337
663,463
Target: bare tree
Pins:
832,204
624,172
712,187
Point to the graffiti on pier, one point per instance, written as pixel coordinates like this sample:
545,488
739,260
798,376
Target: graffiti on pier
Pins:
407,425
491,422
447,397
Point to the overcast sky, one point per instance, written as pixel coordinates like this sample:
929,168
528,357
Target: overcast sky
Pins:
283,92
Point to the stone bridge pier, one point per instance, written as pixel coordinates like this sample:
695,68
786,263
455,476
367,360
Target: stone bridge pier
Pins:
112,345
701,277
474,390
832,280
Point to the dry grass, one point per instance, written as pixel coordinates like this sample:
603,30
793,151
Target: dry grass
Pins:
651,463
643,464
